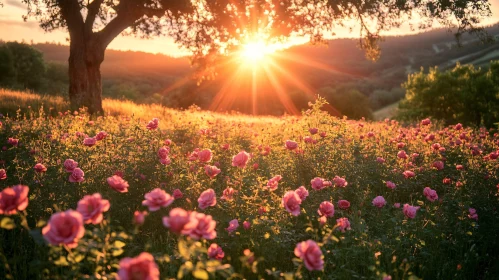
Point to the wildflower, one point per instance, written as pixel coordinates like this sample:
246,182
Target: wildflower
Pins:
240,160
207,198
118,184
379,201
91,208
343,224
302,193
291,145
13,199
410,211
311,255
176,220
291,202
326,208
215,252
77,176
156,199
153,124
64,228
140,267
233,225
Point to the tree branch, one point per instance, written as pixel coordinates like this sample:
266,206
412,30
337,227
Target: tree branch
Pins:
70,10
93,9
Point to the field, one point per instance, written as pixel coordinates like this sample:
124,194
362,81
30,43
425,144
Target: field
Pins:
199,195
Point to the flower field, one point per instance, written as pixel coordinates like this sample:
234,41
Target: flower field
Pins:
200,195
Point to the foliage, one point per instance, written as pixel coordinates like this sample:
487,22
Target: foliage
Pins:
22,66
464,94
442,241
349,102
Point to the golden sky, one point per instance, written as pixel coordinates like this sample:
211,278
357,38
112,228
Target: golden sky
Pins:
12,27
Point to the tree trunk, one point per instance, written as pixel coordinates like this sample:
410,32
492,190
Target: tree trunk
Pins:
85,86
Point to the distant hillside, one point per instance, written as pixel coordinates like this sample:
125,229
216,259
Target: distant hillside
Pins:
340,66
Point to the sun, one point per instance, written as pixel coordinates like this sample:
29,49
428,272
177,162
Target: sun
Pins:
255,51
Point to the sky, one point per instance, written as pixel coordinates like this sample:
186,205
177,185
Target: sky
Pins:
13,28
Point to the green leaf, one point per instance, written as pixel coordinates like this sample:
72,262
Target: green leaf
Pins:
61,261
183,249
119,244
7,223
201,274
117,252
41,223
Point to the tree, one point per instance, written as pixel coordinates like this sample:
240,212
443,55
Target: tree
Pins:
464,94
7,71
28,64
213,28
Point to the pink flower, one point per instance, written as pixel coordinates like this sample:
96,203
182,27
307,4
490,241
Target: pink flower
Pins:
13,141
165,161
77,176
246,225
343,204
408,174
323,221
302,193
396,205
401,154
156,199
205,155
200,226
3,174
311,255
326,208
240,160
459,167
140,267
91,208
228,194
319,183
40,168
430,194
379,201
410,211
211,171
343,224
70,165
64,228
215,252
273,182
446,181
339,182
473,215
118,184
233,225
163,152
177,194
458,126
291,202
291,145
153,124
89,141
101,135
177,219
207,198
313,130
139,217
390,185
13,199
380,160
439,165
426,121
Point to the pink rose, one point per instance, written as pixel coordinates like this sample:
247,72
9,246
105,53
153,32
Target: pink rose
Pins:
118,184
326,208
410,211
396,205
233,225
200,226
390,185
101,135
339,182
177,194
177,219
91,208
273,182
291,145
139,217
439,165
40,168
319,183
70,165
215,252
13,199
89,141
207,198
323,221
302,193
408,174
343,204
228,194
153,124
380,160
379,201
311,255
163,152
165,161
401,154
240,160
291,202
13,141
313,130
473,215
459,167
156,199
205,155
77,176
246,225
64,228
140,267
343,224
211,171
426,121
430,194
3,174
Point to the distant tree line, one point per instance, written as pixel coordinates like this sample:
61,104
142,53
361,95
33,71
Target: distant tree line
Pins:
465,94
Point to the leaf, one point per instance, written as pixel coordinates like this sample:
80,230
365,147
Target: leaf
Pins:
119,244
117,252
183,249
61,261
41,223
7,223
201,274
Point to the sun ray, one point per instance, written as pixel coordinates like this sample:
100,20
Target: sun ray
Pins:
281,92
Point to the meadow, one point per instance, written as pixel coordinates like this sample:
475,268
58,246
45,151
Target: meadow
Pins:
148,192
